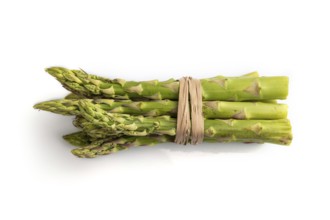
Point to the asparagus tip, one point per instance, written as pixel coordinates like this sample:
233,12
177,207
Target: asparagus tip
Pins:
38,106
83,153
55,71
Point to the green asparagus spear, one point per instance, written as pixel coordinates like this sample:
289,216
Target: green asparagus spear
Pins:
89,148
216,88
83,139
211,109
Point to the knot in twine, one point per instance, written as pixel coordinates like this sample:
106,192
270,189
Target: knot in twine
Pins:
190,120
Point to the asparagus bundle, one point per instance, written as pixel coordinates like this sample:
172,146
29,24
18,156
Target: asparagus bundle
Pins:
116,114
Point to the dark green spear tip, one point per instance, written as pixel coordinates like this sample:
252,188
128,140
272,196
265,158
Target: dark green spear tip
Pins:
77,139
38,106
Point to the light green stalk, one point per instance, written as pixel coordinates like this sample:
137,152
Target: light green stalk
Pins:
89,148
211,109
83,139
95,120
252,74
216,88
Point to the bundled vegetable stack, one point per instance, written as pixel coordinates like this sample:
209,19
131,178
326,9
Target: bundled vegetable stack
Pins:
114,114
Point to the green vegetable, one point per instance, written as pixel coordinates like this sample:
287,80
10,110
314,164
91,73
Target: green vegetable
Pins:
218,88
114,114
88,147
211,109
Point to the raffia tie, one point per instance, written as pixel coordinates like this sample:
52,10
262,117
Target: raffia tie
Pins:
190,120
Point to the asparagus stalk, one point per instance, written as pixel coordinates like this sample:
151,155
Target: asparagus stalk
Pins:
274,131
83,139
252,74
94,120
89,148
211,109
216,88
122,143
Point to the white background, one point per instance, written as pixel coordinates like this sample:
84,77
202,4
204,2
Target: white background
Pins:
139,40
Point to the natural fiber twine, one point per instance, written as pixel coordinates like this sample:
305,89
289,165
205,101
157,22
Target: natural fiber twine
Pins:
190,120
